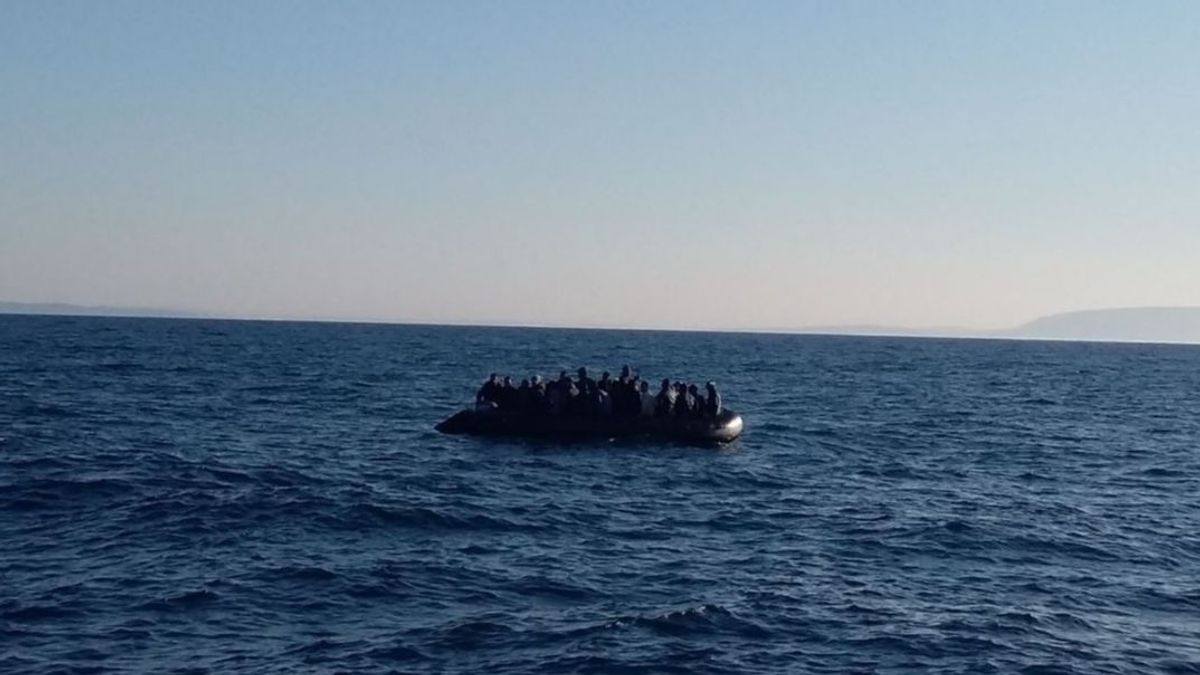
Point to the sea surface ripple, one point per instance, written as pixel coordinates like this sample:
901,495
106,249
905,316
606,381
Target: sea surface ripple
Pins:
252,497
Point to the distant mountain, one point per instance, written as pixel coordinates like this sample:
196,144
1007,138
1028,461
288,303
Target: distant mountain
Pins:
886,331
1134,324
64,309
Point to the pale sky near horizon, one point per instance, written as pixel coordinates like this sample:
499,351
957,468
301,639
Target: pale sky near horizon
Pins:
655,164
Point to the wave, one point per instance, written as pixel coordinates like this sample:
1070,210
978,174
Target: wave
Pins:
542,586
185,601
474,634
34,613
396,652
429,519
301,573
704,619
61,493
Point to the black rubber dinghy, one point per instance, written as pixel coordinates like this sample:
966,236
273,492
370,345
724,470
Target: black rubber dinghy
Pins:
722,429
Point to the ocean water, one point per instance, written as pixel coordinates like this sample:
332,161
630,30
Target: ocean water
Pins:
254,497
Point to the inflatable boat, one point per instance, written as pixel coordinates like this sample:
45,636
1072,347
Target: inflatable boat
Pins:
722,429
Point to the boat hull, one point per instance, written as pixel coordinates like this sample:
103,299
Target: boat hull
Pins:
724,428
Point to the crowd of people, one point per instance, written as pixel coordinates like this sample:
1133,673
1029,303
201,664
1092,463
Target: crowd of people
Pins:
625,396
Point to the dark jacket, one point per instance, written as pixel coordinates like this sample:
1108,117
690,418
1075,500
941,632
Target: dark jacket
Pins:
712,404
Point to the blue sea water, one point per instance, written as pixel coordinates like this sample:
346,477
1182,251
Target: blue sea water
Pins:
247,497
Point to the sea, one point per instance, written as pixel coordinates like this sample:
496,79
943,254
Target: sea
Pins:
201,496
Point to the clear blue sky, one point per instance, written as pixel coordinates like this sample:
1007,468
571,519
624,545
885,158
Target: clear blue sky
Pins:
689,164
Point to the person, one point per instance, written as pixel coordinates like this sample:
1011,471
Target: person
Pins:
506,396
585,383
568,393
683,407
664,402
604,402
619,390
522,398
537,396
489,394
556,396
633,396
605,382
712,405
695,402
646,400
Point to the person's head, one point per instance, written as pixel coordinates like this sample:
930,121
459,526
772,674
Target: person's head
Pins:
666,383
492,377
625,372
537,379
711,386
508,380
644,386
605,375
525,383
562,374
692,388
582,372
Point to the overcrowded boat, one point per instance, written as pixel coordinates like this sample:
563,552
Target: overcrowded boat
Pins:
609,407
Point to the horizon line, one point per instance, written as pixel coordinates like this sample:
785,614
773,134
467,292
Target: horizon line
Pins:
868,330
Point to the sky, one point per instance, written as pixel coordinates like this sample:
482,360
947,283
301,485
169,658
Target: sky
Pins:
725,165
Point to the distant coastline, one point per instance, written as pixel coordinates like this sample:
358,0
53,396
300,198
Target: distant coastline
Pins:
1171,325
1128,324
67,309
